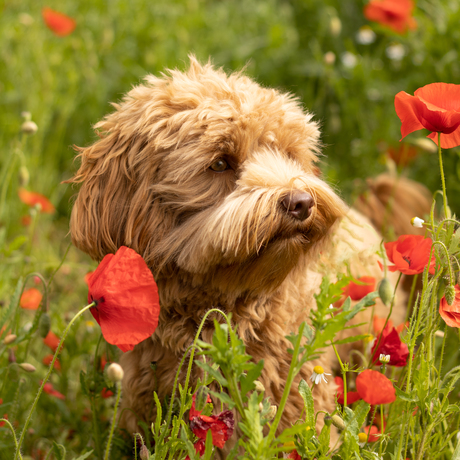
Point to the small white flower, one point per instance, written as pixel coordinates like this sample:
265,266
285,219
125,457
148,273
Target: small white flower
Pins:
331,307
349,60
396,52
417,222
384,359
318,375
365,36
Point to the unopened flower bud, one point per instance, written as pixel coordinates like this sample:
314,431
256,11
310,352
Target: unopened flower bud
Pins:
44,325
10,338
11,356
272,412
24,176
26,115
449,294
144,453
259,387
439,334
384,359
27,367
29,127
417,222
337,421
115,373
386,291
328,420
426,144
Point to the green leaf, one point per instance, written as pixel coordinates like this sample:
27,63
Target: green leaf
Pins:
324,437
225,398
247,381
307,397
405,396
84,456
17,243
159,413
59,451
211,371
361,411
208,446
14,301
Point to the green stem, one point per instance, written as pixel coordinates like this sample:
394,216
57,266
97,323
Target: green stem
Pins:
114,418
96,434
7,422
411,297
386,322
287,388
451,274
382,430
47,376
444,195
344,376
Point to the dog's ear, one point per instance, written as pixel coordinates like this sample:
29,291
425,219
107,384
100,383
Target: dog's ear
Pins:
114,204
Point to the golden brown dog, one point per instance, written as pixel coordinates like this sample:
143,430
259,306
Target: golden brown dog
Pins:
212,179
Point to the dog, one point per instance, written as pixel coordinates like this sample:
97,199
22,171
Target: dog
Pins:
213,179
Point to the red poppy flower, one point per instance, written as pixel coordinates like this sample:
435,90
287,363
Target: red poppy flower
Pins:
106,393
221,425
193,411
375,388
372,433
294,455
352,396
30,299
435,107
26,220
48,388
403,154
395,14
47,361
87,277
390,344
359,291
410,254
379,324
127,299
199,448
59,23
451,313
5,416
33,198
52,340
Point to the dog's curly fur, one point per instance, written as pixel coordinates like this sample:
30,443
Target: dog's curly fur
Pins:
214,239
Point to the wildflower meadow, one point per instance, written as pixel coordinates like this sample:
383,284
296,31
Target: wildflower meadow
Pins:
383,78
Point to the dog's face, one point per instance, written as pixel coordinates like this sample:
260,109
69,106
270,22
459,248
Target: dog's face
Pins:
207,174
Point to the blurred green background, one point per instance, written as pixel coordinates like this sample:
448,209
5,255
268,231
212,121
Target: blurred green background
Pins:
312,48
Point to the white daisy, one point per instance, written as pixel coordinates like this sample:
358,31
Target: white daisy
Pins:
318,375
384,359
417,222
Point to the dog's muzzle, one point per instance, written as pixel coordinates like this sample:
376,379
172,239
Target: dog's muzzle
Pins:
298,204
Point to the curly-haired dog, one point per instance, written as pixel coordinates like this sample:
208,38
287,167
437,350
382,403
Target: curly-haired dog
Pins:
212,179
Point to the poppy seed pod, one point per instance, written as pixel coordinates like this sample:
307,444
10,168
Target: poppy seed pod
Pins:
27,367
386,291
115,373
449,294
29,127
10,338
44,325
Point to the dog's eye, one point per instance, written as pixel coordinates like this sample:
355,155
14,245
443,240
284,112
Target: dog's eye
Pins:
219,165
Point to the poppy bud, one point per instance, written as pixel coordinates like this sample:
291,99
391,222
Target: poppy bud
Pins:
259,387
24,176
328,420
144,453
115,373
11,356
385,291
29,127
272,412
201,398
449,294
337,421
44,325
10,338
27,367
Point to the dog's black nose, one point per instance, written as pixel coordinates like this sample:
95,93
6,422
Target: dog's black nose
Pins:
298,204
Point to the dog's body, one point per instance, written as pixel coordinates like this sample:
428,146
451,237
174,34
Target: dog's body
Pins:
212,179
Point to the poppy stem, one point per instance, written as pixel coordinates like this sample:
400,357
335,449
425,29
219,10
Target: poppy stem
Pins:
47,376
444,196
451,274
344,373
114,419
8,424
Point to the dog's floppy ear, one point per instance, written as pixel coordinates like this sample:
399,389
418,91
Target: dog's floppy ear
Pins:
114,205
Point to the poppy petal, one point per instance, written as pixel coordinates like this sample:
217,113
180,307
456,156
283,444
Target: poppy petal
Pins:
33,198
407,107
375,388
30,299
57,22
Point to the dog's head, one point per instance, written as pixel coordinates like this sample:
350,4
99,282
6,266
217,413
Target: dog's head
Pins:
208,174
